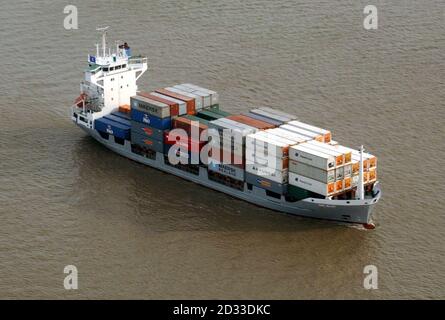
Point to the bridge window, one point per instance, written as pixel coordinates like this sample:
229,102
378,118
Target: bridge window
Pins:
105,69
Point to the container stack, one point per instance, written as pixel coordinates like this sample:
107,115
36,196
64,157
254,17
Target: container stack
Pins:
116,124
230,149
267,160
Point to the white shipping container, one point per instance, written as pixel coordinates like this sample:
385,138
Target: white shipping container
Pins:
198,99
313,185
325,176
279,113
270,115
182,105
324,147
309,134
288,135
205,97
312,157
371,159
252,157
263,145
323,132
280,176
214,97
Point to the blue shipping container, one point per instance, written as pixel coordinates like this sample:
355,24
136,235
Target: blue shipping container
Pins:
263,118
144,141
152,121
266,184
120,120
121,115
111,127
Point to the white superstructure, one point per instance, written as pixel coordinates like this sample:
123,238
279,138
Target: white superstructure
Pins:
109,81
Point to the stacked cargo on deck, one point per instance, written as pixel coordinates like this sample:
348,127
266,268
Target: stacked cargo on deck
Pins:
267,151
116,124
267,148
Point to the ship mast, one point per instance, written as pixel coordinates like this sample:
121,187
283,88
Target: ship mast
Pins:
104,39
361,188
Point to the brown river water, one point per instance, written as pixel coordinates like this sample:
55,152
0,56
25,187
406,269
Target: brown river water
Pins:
134,232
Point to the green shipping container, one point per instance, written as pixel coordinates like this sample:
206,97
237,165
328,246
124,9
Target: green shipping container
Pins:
298,193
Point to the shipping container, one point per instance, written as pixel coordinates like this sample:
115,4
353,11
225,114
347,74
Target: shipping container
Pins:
190,102
346,151
333,143
152,107
222,155
326,134
186,124
339,173
303,169
266,145
151,120
372,174
251,122
356,158
276,123
114,128
174,106
121,115
197,118
214,97
347,170
227,170
279,113
215,109
290,135
339,186
124,108
263,183
339,157
205,96
146,130
198,99
182,109
280,176
209,115
270,115
143,140
371,159
325,189
303,132
117,119
271,162
187,142
311,157
348,183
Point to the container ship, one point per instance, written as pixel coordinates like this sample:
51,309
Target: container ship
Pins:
264,156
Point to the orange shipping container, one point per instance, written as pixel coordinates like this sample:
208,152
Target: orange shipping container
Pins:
338,186
174,107
251,121
186,124
189,101
125,108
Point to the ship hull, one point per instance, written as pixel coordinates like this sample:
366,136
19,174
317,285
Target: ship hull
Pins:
351,211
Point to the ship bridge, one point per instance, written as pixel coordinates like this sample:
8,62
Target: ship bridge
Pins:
110,79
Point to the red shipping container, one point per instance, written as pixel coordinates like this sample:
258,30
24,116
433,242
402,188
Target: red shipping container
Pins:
190,102
192,145
186,124
174,107
251,121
